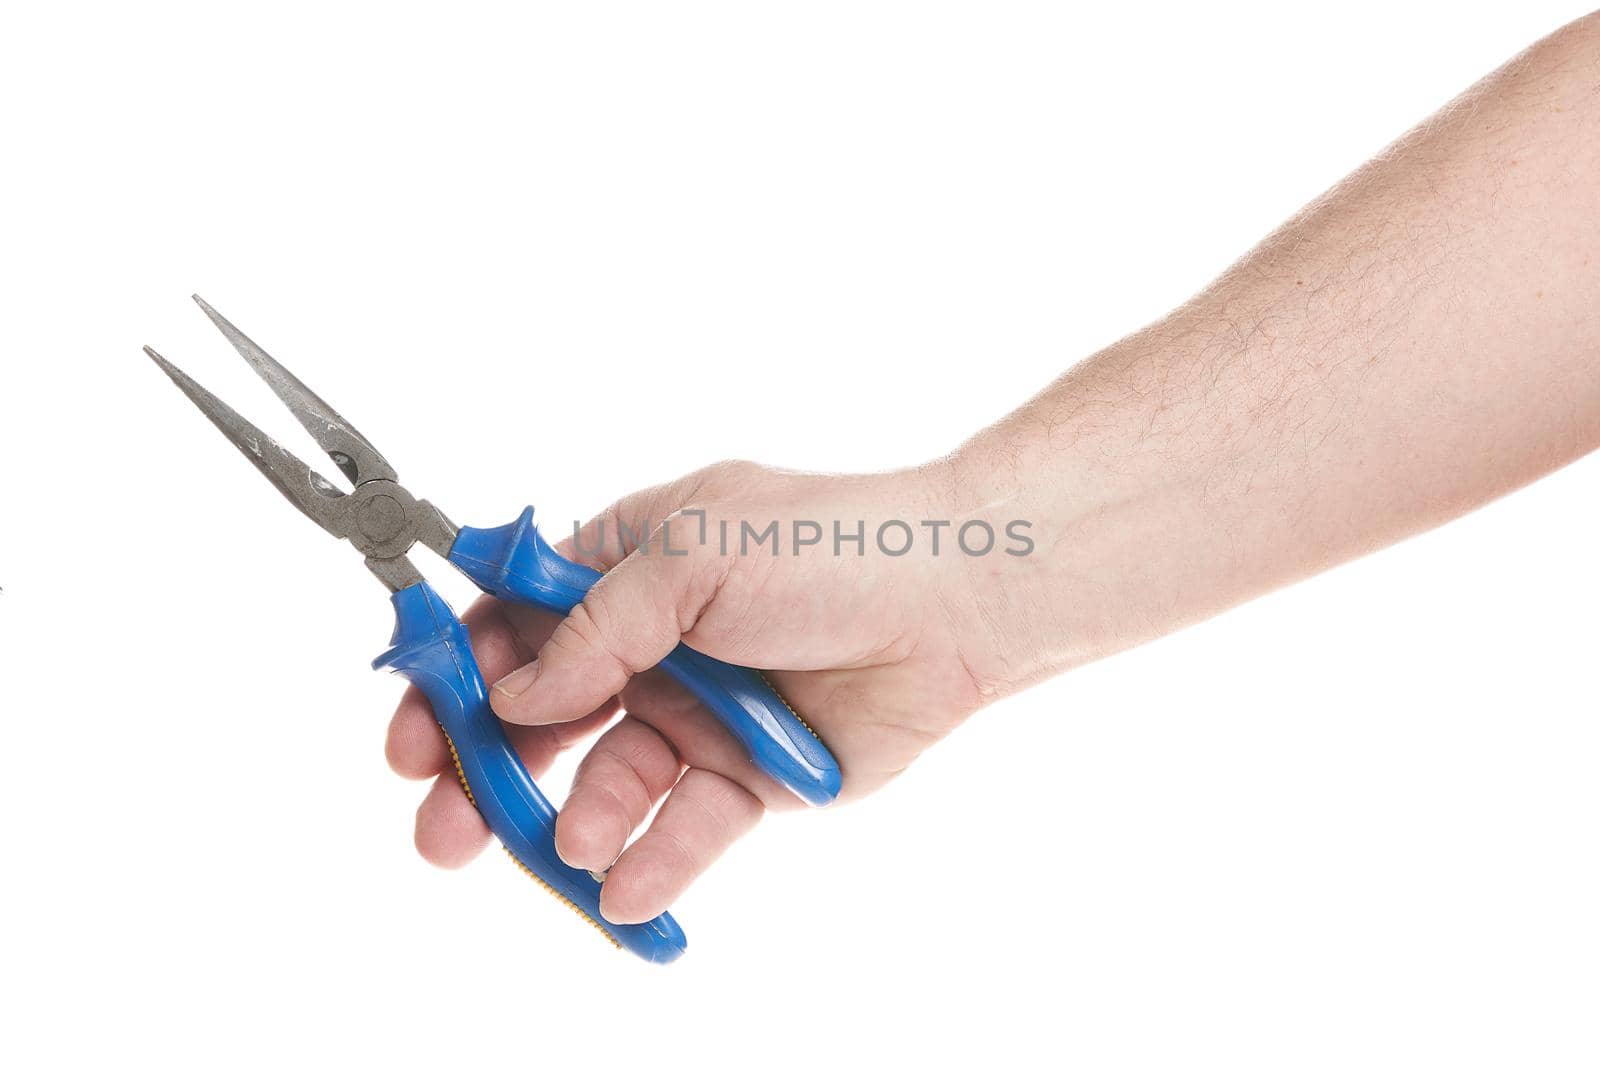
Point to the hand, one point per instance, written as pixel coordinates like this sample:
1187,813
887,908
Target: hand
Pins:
868,650
1416,342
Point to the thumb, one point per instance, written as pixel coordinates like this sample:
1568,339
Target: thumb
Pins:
628,622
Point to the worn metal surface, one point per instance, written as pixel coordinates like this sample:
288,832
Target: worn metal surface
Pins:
354,454
378,516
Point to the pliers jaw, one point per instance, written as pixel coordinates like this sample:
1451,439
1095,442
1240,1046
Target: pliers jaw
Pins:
355,456
379,516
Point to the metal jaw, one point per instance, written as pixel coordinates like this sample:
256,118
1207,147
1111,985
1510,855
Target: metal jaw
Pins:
379,517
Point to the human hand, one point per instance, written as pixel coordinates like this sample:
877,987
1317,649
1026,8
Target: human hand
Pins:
869,649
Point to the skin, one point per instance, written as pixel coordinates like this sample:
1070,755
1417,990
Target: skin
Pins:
1416,342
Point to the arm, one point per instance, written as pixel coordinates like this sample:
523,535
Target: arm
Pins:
1418,341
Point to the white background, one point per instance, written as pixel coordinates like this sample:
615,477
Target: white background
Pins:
549,253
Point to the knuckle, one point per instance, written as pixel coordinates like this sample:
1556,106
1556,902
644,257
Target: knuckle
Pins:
612,775
730,473
674,843
729,803
580,634
634,752
585,635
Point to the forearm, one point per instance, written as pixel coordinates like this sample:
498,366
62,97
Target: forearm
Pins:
1421,339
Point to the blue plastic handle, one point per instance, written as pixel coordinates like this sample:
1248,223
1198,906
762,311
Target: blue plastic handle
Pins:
513,562
430,648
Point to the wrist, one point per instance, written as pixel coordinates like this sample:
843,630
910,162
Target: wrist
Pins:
1156,501
1010,626
1110,525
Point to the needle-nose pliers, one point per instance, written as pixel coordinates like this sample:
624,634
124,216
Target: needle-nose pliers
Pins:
430,646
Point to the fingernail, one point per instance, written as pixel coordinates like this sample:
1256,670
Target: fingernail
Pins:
517,682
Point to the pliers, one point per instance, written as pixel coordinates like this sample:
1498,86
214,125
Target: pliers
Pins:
430,646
